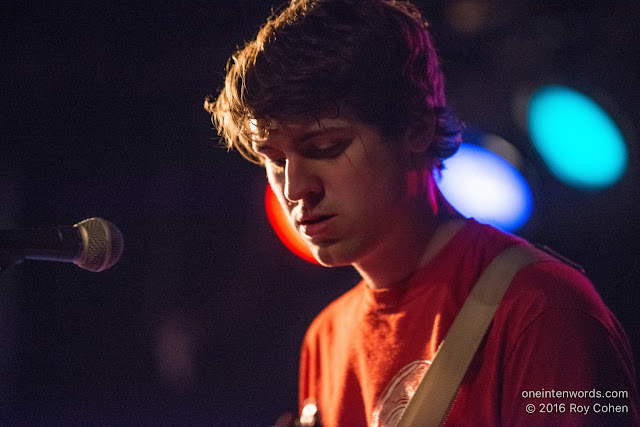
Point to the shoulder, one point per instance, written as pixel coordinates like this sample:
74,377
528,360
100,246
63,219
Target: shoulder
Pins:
541,285
548,299
557,333
552,316
554,319
553,286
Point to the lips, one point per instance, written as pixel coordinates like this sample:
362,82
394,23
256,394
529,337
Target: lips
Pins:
315,225
315,219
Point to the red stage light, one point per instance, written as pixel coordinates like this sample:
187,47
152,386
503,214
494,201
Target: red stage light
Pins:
283,228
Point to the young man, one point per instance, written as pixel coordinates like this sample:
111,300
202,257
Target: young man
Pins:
342,101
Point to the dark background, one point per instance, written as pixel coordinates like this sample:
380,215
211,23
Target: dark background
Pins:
201,321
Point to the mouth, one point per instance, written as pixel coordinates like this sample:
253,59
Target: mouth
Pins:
316,226
315,220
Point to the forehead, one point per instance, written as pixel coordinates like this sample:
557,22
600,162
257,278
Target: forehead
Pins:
299,131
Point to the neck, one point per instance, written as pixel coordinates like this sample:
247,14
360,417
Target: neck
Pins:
426,226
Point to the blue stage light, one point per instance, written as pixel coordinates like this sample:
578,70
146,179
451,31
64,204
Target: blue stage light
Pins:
579,142
482,185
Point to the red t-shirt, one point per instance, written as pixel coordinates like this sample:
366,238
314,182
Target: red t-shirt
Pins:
551,337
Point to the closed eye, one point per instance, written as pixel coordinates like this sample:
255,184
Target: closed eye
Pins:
330,151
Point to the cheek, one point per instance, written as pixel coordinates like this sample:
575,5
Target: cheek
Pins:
380,182
277,189
275,182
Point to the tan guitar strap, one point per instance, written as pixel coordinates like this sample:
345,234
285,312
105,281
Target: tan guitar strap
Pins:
439,386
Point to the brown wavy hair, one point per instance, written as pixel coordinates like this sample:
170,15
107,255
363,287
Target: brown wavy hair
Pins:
315,57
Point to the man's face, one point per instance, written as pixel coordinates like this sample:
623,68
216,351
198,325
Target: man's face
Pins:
341,184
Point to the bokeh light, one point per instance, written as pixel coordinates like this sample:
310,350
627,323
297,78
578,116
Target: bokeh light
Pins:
579,142
483,185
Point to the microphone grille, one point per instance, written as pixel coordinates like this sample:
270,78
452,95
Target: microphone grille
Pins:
102,244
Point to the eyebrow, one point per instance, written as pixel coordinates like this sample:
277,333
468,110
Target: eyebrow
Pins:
305,136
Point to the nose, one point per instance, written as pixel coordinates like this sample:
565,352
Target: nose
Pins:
301,181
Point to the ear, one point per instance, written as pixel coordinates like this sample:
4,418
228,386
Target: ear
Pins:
419,137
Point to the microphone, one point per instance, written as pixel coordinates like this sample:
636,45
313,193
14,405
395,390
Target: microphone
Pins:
93,244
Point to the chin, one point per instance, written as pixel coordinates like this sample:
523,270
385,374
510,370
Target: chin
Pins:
333,255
